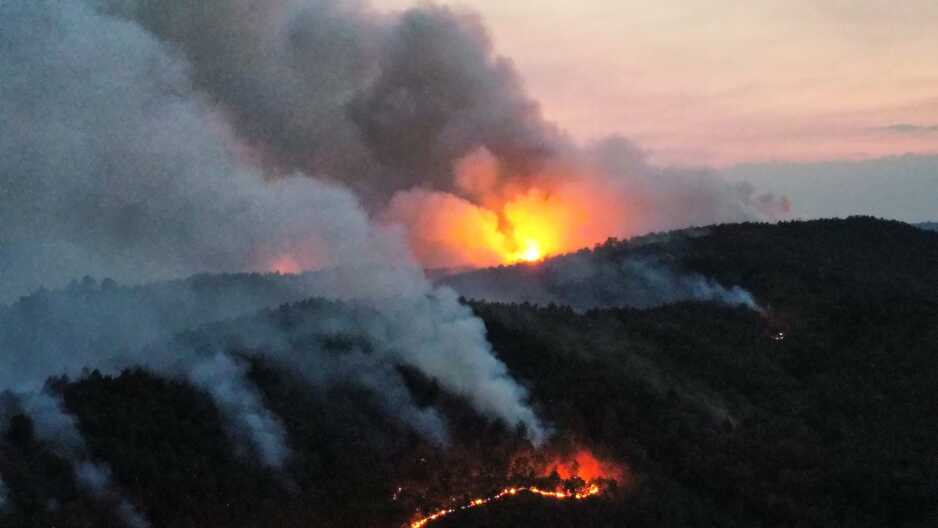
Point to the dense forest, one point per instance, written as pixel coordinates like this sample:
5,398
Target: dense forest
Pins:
816,407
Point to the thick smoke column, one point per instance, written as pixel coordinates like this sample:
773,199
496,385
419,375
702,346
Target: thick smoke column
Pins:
122,166
331,87
155,140
387,104
394,104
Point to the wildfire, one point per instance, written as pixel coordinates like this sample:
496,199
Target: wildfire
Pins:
537,227
498,218
582,476
584,465
559,494
285,264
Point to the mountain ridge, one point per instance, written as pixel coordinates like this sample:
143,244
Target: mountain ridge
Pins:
814,411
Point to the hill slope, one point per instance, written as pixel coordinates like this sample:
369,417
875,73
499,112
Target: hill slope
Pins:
842,257
818,411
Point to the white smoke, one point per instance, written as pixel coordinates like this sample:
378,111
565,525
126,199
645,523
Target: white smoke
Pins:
120,166
225,379
587,280
392,103
54,426
154,140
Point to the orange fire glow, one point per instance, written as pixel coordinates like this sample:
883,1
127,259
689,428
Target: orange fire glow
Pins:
497,218
448,231
584,493
296,257
582,473
538,227
285,264
585,465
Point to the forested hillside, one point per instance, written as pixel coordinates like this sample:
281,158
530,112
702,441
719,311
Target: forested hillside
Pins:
815,409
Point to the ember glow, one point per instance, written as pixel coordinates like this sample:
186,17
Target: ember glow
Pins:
538,226
549,220
285,264
558,494
448,231
584,465
582,476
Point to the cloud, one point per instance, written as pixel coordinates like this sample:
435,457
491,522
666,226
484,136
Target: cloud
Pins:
907,128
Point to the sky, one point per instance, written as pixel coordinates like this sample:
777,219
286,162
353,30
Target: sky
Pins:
721,83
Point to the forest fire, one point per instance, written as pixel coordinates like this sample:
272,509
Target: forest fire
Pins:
559,494
584,465
577,477
285,264
494,216
447,231
538,227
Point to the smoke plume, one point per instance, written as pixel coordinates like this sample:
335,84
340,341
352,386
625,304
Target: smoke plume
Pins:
394,105
129,162
226,380
54,426
588,280
155,140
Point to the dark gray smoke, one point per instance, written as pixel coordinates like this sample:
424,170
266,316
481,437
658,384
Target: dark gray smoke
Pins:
132,131
123,165
333,88
390,102
441,94
119,168
152,140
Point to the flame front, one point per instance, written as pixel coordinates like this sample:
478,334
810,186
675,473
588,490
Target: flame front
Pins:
582,475
536,227
559,494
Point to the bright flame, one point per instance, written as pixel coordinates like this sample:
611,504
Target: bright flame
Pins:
508,226
584,493
538,226
583,464
531,252
583,469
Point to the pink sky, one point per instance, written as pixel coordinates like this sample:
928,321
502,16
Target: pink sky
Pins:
720,82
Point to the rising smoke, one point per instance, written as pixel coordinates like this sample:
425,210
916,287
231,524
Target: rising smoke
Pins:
393,104
585,281
153,140
149,159
125,164
53,425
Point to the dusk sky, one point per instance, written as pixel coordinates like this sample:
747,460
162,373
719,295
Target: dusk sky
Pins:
718,82
781,93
